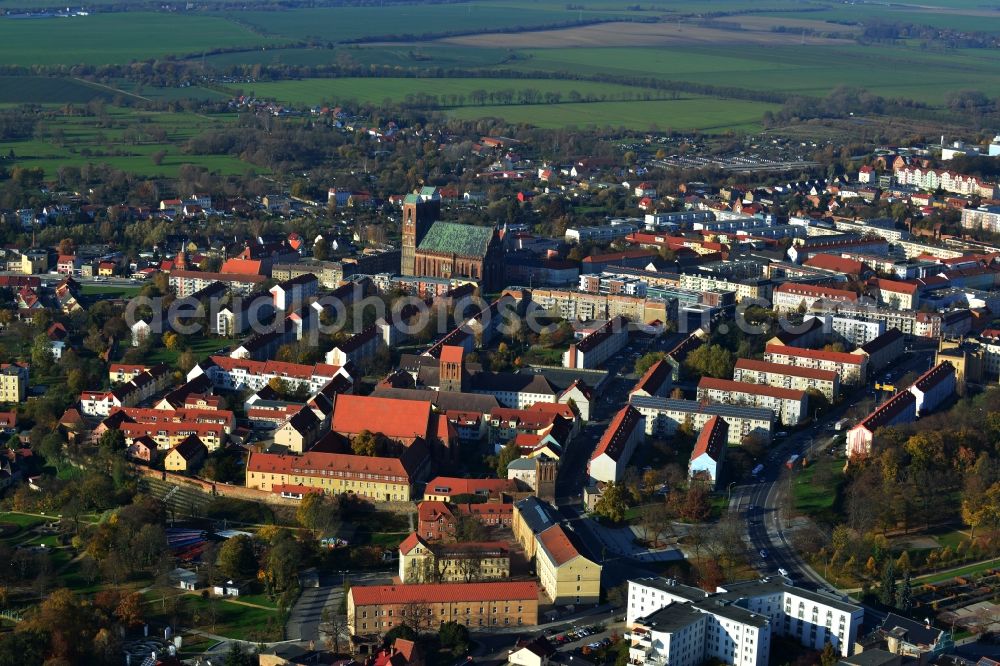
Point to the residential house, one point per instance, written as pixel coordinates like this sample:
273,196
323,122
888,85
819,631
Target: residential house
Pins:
186,456
709,454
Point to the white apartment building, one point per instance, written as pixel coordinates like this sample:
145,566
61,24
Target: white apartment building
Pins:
750,289
599,346
790,406
737,624
852,367
792,296
237,374
856,332
793,377
663,416
986,218
949,181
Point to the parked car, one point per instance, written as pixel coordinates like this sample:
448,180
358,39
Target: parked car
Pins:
763,553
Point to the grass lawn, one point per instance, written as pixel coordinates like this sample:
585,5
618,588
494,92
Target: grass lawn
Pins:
23,522
101,291
259,599
970,570
234,620
951,539
387,539
200,347
817,487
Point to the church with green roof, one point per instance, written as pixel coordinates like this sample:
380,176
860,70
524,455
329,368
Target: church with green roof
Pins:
432,248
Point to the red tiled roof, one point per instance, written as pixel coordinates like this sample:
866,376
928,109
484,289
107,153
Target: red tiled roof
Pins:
434,510
295,370
654,377
832,262
410,542
452,353
619,430
783,369
712,439
315,462
557,544
816,290
896,286
819,354
730,386
242,267
389,595
394,418
934,376
453,485
887,411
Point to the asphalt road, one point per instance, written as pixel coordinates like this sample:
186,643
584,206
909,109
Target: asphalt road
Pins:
759,502
305,616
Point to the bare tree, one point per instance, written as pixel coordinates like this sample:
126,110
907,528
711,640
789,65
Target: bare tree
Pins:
470,567
333,628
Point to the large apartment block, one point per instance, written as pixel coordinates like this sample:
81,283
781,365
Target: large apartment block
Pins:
790,406
375,609
852,367
599,346
792,377
663,416
676,624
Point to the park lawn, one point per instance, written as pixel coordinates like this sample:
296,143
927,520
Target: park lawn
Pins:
387,539
118,37
543,356
815,499
104,291
969,570
259,600
705,114
375,90
22,520
235,620
200,347
951,539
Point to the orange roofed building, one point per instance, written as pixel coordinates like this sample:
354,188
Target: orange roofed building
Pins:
375,609
374,478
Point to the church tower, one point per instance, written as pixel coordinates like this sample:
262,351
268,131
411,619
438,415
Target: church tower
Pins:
451,373
545,478
418,216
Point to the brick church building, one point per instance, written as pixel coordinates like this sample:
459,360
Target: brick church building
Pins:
432,248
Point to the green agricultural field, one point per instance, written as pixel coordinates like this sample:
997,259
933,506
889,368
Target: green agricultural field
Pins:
335,24
117,37
49,90
705,114
128,143
811,70
314,91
